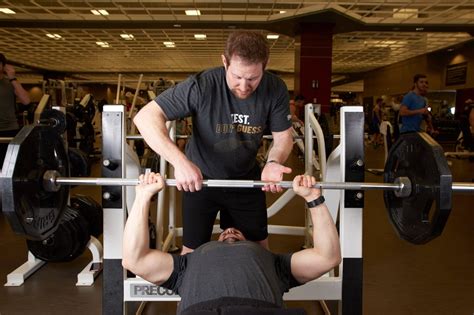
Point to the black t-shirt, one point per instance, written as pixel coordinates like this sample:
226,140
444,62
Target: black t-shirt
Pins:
243,269
226,130
8,119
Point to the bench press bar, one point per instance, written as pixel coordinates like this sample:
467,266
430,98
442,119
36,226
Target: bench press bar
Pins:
402,185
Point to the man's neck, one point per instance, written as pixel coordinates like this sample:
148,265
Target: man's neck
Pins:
416,91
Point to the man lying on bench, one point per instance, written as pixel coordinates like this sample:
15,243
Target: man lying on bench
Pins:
231,275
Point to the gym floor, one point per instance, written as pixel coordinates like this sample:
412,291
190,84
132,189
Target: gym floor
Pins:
399,278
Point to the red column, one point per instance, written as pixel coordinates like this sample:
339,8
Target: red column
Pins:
313,63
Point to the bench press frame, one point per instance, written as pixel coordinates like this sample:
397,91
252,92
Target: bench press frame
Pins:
346,288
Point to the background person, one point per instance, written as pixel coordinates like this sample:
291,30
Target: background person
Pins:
377,114
466,122
230,106
230,271
297,109
10,90
414,107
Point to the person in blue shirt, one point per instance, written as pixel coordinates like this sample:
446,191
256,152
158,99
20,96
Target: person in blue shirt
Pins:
414,107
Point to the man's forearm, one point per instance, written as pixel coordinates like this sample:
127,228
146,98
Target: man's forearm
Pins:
404,111
429,121
21,93
282,145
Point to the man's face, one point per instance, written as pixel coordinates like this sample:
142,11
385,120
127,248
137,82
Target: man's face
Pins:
422,85
231,235
242,78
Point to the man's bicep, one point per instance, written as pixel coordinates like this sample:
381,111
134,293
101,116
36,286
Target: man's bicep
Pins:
150,112
307,265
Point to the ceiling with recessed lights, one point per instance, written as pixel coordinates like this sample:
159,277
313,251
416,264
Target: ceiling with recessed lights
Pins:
95,40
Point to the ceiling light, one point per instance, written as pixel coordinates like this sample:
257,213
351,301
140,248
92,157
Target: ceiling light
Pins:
273,36
200,36
169,44
177,25
419,28
100,12
127,36
282,12
405,13
54,36
192,12
7,11
103,44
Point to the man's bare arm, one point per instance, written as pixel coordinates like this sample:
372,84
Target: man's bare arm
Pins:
151,122
282,145
404,111
309,264
273,172
150,264
22,95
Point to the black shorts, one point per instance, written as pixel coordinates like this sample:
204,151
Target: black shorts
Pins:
242,208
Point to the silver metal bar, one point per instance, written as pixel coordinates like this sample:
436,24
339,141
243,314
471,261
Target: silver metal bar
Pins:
97,181
139,137
463,187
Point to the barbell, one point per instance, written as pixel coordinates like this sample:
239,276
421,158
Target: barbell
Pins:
35,180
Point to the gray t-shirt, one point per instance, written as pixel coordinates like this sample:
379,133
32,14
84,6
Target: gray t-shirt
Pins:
243,269
7,106
226,130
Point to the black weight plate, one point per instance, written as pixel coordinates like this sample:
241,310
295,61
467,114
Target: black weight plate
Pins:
78,111
89,111
56,118
422,216
79,163
57,247
85,113
69,218
71,122
30,210
81,234
91,210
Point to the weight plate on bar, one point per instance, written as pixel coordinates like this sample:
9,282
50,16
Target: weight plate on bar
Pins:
421,159
30,210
